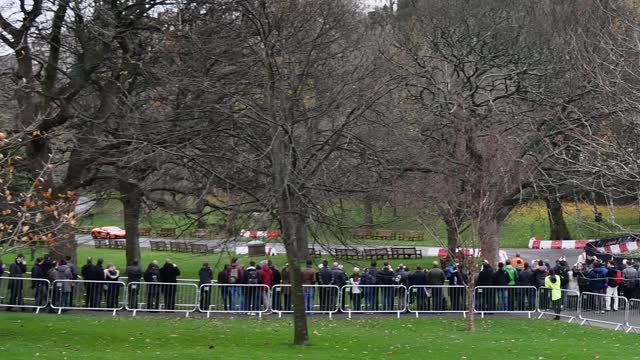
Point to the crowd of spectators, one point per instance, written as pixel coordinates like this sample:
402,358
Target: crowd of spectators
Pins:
372,289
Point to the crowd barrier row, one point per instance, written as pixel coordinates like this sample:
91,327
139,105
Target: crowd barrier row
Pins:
186,297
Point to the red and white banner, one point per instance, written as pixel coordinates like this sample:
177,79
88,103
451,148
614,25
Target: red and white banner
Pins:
252,234
536,243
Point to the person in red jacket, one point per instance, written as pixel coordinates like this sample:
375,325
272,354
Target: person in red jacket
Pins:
266,274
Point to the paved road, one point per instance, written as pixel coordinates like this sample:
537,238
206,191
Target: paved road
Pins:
528,254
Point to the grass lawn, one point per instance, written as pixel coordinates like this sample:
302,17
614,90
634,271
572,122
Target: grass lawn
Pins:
76,336
189,263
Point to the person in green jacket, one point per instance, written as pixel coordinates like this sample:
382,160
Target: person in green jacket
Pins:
512,273
552,282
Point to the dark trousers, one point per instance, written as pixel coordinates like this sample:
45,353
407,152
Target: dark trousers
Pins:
169,297
153,297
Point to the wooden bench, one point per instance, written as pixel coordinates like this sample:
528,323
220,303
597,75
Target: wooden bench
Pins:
375,253
405,253
158,245
179,246
201,233
361,234
199,248
146,232
117,243
384,235
101,243
167,232
347,253
410,235
314,253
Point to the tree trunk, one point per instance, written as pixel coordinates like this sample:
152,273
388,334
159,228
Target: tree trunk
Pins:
294,236
558,227
488,233
453,237
471,301
368,213
132,204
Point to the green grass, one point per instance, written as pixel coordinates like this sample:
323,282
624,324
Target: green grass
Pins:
189,263
71,336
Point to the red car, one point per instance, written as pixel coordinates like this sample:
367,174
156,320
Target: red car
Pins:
108,232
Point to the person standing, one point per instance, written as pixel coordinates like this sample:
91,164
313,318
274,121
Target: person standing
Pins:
16,285
134,275
356,293
277,279
326,280
286,288
501,281
525,299
485,298
252,293
206,278
65,286
598,283
629,275
152,277
339,280
419,279
39,283
614,279
552,282
112,287
435,278
169,277
92,275
562,271
308,289
235,276
224,288
267,276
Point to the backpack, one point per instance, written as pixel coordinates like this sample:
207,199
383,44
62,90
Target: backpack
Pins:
234,274
252,277
618,277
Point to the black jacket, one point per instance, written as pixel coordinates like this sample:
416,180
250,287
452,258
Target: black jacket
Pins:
485,278
152,275
538,277
500,278
91,272
134,273
222,277
17,270
206,275
418,278
325,276
525,278
277,278
169,273
385,277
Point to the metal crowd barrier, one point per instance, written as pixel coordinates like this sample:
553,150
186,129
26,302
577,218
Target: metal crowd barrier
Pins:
87,295
374,299
318,299
505,299
162,297
234,298
437,299
24,293
633,315
569,305
593,308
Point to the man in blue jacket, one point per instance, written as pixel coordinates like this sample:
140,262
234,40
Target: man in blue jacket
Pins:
598,282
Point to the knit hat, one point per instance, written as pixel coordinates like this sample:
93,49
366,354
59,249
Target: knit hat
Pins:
356,270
